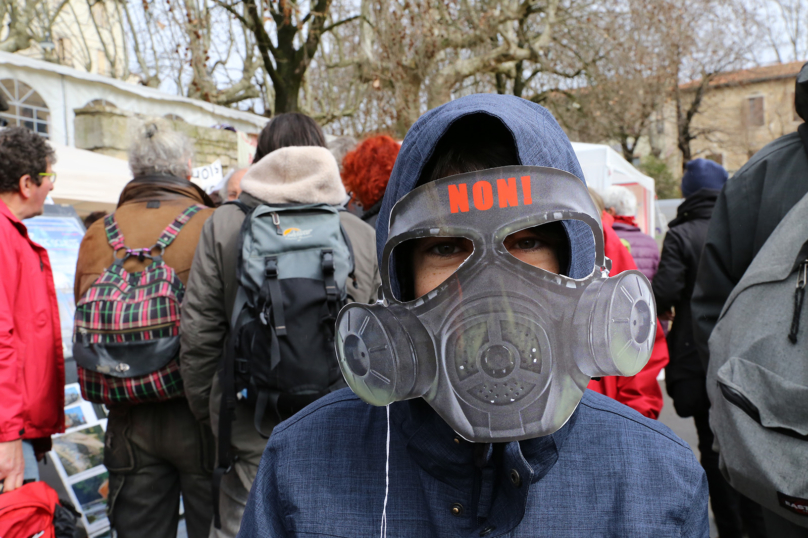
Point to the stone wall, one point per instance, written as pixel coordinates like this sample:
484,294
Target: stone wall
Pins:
107,129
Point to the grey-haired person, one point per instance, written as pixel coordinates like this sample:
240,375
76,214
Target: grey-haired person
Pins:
155,452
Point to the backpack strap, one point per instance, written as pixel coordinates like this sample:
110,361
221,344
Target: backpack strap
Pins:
171,231
331,290
271,294
114,235
241,205
347,240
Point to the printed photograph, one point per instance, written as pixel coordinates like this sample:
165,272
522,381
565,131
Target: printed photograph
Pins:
74,417
72,394
80,450
92,495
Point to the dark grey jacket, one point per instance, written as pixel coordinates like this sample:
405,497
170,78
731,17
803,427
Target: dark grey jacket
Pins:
749,208
208,306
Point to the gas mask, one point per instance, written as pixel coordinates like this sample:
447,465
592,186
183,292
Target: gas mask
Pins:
501,350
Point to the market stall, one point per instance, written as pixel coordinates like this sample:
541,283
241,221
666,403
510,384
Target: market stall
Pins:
603,167
88,181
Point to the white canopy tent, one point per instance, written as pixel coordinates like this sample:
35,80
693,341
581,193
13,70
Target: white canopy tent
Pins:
88,181
604,167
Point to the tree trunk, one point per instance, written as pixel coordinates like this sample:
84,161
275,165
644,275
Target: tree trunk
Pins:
408,103
518,79
627,149
290,64
287,94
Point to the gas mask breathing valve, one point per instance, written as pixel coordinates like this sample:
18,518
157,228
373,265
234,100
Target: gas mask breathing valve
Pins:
375,350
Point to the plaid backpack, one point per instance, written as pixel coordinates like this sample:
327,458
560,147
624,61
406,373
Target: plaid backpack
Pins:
127,325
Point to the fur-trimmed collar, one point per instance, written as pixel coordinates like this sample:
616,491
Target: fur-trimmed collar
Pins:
296,175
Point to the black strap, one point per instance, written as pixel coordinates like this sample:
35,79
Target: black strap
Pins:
265,398
274,348
226,408
238,203
327,263
331,289
799,298
271,294
347,240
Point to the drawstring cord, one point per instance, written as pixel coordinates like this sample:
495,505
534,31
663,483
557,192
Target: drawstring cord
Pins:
799,298
383,533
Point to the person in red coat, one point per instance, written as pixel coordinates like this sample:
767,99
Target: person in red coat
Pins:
32,374
640,392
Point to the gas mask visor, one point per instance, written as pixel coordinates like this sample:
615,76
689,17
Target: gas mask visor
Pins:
501,349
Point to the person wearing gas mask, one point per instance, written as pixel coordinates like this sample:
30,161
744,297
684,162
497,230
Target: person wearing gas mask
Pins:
496,312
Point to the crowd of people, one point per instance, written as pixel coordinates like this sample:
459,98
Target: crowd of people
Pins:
207,325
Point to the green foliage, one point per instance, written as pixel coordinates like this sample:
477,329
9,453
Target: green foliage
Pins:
666,185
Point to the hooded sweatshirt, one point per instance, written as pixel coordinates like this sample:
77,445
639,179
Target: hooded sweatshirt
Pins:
567,484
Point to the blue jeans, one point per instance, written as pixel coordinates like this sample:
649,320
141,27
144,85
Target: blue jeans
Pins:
31,466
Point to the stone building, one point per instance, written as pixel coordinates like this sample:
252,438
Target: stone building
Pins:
742,112
87,35
94,112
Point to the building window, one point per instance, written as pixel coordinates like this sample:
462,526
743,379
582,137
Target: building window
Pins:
756,114
26,107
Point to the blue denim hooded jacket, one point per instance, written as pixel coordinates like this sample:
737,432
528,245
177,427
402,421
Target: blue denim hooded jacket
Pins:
608,472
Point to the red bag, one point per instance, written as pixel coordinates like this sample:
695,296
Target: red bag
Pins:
28,511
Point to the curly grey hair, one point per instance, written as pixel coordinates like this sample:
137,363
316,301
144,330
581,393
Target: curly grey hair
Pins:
158,151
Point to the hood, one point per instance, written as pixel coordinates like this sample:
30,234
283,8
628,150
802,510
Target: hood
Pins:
698,205
295,175
539,140
163,188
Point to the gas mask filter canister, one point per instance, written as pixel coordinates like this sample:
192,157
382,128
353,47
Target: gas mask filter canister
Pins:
501,350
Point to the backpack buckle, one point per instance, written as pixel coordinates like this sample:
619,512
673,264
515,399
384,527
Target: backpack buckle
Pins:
328,261
271,267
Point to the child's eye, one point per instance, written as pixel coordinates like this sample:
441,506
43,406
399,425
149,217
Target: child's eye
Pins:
445,249
528,243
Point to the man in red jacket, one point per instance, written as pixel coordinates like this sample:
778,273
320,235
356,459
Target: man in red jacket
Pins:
31,361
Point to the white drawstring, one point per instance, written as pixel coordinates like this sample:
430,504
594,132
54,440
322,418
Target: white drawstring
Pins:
386,478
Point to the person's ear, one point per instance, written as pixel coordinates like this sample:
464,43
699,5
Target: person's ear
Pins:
27,186
190,170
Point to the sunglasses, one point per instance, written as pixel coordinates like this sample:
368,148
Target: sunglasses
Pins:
51,175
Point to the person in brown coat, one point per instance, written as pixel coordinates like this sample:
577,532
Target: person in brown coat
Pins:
154,451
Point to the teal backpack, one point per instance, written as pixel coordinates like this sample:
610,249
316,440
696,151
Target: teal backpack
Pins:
294,261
